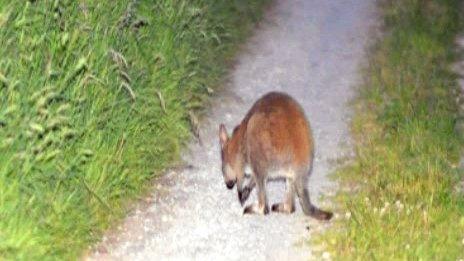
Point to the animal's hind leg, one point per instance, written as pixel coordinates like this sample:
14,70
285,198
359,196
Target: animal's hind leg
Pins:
261,207
288,206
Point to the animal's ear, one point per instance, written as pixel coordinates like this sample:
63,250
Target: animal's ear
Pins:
223,137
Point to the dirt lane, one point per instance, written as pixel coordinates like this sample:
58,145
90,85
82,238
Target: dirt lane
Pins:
310,49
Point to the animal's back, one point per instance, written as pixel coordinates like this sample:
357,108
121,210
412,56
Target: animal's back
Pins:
278,134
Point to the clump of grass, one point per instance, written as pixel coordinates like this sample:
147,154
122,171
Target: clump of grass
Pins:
402,203
95,99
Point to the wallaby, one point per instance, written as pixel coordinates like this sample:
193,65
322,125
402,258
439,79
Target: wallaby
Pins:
275,141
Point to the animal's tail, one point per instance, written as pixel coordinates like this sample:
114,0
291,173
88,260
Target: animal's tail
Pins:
308,208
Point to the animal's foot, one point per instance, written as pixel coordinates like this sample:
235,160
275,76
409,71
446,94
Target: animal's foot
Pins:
283,208
243,195
256,209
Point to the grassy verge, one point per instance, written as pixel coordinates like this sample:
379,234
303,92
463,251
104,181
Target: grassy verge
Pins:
402,203
96,97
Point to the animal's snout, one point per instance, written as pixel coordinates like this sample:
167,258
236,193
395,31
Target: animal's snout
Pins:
230,184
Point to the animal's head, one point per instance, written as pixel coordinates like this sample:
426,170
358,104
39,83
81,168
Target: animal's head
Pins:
231,165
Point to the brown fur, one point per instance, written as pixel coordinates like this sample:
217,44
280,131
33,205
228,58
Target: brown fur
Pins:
274,137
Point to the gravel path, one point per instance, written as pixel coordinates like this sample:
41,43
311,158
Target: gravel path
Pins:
310,49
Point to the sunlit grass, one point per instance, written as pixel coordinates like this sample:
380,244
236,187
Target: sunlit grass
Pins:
95,98
403,203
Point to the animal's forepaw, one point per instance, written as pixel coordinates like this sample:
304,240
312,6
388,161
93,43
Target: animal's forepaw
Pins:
243,195
248,210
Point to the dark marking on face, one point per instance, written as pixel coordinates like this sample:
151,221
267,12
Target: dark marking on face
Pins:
230,184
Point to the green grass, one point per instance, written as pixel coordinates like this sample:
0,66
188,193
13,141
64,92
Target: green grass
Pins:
402,203
95,98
